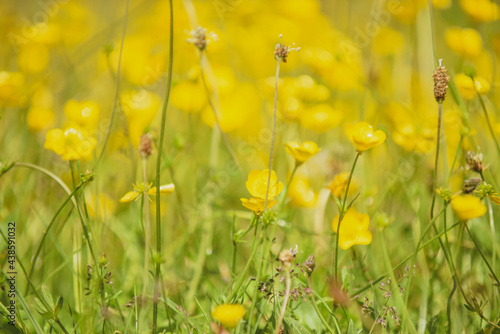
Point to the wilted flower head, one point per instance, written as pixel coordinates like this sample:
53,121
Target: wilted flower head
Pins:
475,162
229,315
281,51
200,38
145,146
286,257
310,264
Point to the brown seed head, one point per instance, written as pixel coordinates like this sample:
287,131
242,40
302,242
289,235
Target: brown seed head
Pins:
145,146
440,83
281,51
200,38
310,264
286,258
475,162
470,185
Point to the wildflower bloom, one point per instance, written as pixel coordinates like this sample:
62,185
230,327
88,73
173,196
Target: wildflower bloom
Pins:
257,204
301,193
257,184
229,315
363,137
467,86
188,97
467,207
466,43
339,185
481,10
353,229
257,187
70,143
84,114
140,189
140,108
302,152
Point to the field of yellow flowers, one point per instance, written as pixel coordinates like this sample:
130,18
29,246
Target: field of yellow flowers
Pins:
249,166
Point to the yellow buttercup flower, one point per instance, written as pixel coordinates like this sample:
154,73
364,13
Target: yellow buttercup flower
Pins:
467,207
467,87
257,184
481,10
388,42
189,97
302,152
11,86
353,229
339,185
495,199
320,118
140,108
363,137
140,189
257,204
301,193
33,58
39,119
71,143
84,114
229,315
464,42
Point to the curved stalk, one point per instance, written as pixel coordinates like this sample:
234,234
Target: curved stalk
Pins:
158,168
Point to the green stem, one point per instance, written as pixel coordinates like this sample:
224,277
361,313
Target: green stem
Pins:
455,159
436,161
397,295
325,323
493,275
341,216
285,301
273,138
158,167
242,275
414,253
39,248
490,127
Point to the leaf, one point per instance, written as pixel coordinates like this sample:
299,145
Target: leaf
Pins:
40,308
59,304
352,328
436,325
48,298
295,326
339,205
3,310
